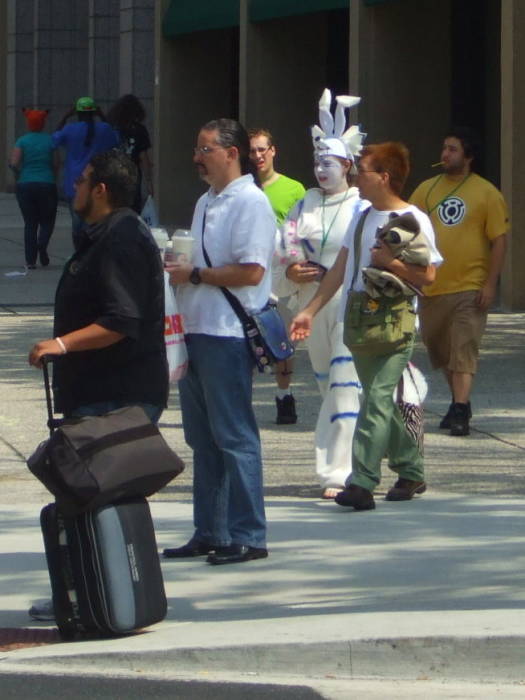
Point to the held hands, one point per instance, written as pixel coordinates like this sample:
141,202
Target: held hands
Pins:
301,326
179,272
301,273
44,347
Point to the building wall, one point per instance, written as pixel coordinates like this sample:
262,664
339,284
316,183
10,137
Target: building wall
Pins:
284,66
137,53
398,55
59,50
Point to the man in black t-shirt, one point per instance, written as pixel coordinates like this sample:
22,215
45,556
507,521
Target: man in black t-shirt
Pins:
109,308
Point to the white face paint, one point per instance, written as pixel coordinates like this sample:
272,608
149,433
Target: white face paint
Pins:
330,173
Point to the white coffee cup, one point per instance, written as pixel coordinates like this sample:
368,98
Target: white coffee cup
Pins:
182,245
160,236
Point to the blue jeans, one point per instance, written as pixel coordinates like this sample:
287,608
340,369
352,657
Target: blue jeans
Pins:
220,427
102,407
38,204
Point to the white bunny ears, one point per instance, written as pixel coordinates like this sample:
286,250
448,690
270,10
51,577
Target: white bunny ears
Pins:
331,139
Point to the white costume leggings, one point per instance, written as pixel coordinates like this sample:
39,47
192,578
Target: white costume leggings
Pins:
340,388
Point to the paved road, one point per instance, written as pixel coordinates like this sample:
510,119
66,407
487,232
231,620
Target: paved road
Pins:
42,686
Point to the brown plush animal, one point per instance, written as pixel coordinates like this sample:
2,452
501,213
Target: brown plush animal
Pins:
406,241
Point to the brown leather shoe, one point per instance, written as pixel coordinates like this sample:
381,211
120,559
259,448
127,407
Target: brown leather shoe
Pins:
355,497
404,489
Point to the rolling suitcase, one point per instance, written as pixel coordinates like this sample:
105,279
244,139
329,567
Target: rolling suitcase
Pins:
104,569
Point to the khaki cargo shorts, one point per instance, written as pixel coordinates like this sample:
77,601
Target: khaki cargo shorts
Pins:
452,326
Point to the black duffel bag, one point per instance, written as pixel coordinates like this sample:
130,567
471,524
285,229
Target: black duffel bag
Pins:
89,462
92,461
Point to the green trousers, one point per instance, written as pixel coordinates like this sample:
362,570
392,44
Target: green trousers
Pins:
380,429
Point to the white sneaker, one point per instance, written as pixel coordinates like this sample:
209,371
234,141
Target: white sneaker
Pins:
42,610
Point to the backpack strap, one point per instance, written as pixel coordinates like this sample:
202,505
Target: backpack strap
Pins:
358,235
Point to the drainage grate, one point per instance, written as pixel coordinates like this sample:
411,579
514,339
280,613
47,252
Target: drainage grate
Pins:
12,638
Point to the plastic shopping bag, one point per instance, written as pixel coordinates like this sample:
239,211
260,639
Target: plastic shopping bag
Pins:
409,396
149,212
174,334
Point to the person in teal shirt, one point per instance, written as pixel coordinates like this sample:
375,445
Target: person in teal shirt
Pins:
34,164
283,193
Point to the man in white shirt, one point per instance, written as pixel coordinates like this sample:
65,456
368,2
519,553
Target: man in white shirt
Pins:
380,430
234,231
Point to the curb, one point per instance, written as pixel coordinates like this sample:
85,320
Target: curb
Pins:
474,659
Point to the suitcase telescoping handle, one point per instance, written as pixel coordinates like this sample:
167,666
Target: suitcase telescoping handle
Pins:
52,423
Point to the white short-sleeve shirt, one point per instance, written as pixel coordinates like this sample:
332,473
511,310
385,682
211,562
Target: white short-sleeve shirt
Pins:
374,220
238,226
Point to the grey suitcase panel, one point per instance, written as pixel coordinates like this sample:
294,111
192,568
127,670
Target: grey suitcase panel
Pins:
104,569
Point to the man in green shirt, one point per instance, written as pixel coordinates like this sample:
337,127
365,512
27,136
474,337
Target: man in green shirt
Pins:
283,193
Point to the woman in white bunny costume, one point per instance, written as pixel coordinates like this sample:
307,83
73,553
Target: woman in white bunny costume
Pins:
308,244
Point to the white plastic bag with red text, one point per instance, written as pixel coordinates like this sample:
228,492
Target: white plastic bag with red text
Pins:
174,334
149,212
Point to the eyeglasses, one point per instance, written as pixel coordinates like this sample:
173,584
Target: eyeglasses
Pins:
80,180
205,150
259,151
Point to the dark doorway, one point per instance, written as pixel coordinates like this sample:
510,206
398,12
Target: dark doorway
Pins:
337,49
475,80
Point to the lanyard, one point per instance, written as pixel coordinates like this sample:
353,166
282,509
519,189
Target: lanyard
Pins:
456,188
327,233
358,235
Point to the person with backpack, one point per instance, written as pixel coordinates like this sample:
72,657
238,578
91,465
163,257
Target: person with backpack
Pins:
126,117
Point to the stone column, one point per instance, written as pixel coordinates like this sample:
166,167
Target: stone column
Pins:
244,38
513,147
4,146
404,82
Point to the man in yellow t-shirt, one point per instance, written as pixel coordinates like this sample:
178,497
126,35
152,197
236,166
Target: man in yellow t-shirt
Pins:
470,219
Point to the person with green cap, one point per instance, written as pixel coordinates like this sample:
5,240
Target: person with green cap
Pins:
81,140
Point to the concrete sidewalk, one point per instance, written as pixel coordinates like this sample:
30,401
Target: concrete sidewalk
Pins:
428,589
431,588
441,595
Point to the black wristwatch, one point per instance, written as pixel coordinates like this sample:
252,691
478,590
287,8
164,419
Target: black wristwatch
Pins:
195,275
